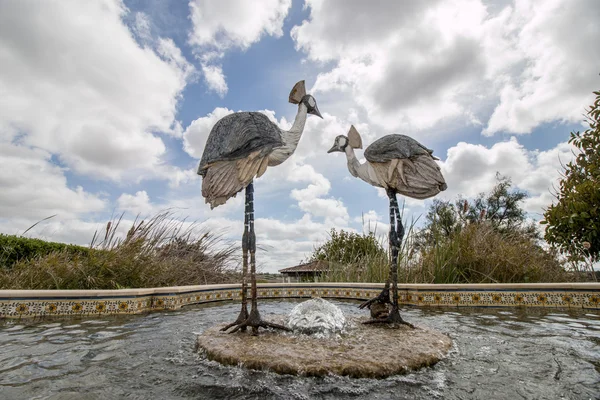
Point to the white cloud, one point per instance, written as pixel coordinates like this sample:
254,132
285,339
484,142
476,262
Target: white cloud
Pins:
235,23
215,79
77,85
196,134
471,169
400,64
560,71
63,230
34,188
139,203
142,26
417,65
366,217
220,26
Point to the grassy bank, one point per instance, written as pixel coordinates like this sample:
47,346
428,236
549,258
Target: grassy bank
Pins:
159,252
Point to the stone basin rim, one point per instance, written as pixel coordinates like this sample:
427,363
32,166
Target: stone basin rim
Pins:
22,304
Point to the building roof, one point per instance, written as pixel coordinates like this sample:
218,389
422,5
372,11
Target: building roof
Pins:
314,266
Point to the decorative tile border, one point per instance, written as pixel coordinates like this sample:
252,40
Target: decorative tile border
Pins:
494,298
100,303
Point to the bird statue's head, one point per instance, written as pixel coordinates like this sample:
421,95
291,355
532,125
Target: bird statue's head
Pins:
341,142
298,96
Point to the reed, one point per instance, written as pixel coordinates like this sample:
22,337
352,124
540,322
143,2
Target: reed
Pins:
160,251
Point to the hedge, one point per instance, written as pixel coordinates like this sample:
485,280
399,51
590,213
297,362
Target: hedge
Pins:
15,248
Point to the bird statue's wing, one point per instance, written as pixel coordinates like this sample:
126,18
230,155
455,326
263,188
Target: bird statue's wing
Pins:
238,135
392,147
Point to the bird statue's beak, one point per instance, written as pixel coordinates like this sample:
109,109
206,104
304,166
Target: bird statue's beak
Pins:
316,112
334,148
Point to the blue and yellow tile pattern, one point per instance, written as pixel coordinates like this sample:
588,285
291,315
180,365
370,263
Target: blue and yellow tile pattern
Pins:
43,304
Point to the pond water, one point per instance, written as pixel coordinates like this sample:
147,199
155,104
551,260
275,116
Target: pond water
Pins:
497,353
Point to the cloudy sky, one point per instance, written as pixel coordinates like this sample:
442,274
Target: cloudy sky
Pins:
105,105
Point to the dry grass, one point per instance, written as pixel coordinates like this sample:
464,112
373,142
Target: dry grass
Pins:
159,252
477,253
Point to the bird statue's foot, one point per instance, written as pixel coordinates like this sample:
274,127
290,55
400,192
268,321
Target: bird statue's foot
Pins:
384,298
243,316
393,318
254,321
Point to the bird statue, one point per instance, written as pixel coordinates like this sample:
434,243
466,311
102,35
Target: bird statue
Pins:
400,165
239,148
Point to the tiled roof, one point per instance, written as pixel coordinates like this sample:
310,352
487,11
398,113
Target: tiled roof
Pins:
315,266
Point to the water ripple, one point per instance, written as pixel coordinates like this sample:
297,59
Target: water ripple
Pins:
498,354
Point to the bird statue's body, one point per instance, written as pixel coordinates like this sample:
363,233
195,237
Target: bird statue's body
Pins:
400,165
239,148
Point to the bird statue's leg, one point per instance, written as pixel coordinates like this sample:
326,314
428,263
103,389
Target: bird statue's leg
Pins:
395,313
254,320
395,239
384,296
243,316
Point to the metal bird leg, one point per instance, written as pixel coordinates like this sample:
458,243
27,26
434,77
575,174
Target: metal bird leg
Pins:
384,296
245,246
395,239
253,319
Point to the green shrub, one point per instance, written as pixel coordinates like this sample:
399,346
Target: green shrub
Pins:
17,248
353,257
574,220
486,240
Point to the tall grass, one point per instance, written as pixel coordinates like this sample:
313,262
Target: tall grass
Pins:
161,251
477,253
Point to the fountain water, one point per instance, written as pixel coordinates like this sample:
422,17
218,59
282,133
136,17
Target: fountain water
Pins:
499,353
317,316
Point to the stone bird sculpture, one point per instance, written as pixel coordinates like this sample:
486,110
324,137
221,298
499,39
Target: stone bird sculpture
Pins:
239,148
400,165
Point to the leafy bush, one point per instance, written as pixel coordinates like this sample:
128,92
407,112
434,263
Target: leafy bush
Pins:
574,221
17,248
154,253
353,257
500,209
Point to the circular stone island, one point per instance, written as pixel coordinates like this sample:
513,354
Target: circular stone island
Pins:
361,351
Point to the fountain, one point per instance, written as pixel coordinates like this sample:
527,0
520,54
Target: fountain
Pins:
323,342
497,352
318,317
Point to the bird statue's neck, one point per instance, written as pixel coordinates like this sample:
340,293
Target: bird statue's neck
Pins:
353,163
290,138
363,171
296,130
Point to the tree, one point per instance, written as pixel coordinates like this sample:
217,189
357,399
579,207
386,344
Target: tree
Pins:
500,208
484,240
574,221
348,247
353,257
